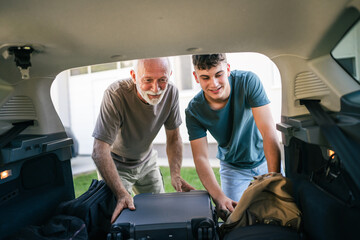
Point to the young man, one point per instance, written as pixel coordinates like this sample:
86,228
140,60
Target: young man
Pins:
234,108
131,115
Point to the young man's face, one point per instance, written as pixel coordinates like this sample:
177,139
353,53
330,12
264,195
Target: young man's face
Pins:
214,82
151,79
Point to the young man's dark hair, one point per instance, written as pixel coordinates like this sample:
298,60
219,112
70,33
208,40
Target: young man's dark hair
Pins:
207,61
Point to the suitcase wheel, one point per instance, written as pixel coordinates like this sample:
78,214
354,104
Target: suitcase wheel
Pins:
205,230
205,233
114,236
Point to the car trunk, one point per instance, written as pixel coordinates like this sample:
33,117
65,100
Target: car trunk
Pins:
324,188
35,177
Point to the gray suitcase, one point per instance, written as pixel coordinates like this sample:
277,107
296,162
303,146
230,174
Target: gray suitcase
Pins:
179,215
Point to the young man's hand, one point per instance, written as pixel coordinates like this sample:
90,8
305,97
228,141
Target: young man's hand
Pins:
180,185
123,201
224,207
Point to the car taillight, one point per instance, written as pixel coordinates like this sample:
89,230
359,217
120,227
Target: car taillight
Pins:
5,174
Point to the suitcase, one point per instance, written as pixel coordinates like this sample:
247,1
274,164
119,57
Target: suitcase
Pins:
178,215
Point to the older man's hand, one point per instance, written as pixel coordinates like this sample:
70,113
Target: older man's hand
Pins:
123,201
180,185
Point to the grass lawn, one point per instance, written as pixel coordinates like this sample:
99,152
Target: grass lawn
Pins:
82,182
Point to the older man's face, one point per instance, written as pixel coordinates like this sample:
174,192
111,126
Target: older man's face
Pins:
152,79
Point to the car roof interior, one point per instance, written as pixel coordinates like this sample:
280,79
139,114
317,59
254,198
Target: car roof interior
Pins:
297,35
86,33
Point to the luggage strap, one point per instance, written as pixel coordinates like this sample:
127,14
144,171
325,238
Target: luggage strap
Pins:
345,148
14,131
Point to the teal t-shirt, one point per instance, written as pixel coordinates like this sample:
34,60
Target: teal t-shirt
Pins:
239,140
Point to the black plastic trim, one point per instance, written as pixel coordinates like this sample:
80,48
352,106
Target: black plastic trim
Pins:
351,102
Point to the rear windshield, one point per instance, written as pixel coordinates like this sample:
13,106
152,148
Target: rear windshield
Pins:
347,51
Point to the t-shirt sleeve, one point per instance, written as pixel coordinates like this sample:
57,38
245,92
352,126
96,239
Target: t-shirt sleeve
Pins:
109,120
194,127
255,92
174,119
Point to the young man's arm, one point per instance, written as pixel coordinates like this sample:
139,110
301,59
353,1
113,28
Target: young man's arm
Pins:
174,153
106,166
199,149
265,123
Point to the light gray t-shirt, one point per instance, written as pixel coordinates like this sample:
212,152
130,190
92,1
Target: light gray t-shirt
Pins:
130,125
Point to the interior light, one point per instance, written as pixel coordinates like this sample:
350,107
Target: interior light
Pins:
5,174
331,153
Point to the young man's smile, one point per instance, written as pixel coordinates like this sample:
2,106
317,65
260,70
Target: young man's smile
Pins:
216,91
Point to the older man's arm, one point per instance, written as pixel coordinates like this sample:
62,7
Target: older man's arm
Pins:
174,153
106,166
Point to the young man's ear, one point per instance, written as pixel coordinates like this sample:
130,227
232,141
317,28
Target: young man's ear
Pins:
195,76
228,69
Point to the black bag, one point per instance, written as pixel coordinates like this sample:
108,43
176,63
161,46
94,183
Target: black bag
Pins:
178,215
94,207
59,227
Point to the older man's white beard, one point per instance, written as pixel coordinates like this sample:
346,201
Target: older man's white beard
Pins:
144,95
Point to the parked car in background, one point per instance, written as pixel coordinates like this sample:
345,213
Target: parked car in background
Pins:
314,44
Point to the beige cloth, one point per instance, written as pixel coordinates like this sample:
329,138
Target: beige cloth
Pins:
267,200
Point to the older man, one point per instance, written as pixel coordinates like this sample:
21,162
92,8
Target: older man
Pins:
131,115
